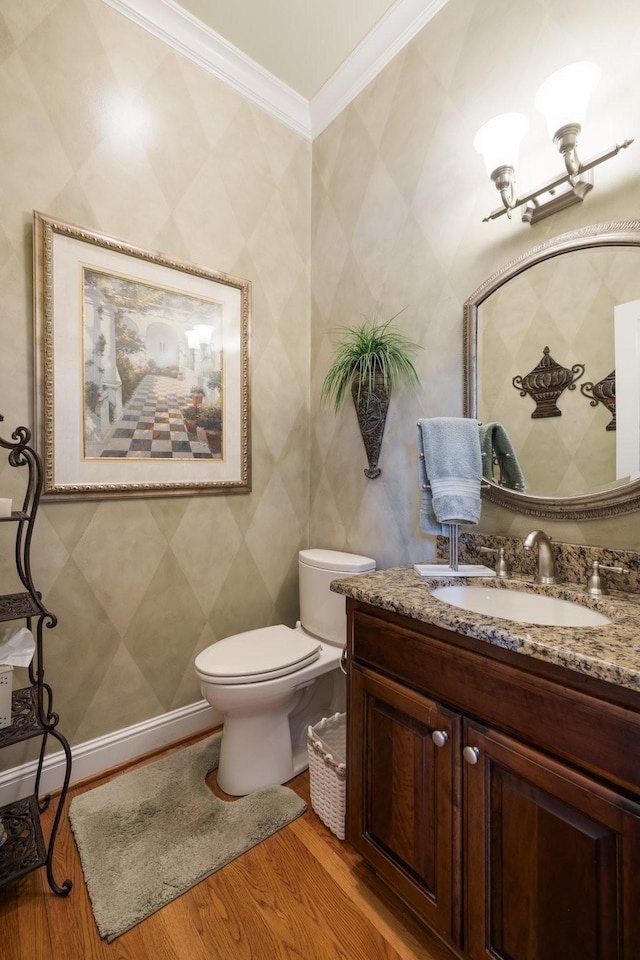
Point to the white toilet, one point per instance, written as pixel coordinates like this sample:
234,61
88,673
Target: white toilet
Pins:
270,684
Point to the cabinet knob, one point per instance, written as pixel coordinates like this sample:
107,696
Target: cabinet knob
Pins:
439,737
343,660
471,754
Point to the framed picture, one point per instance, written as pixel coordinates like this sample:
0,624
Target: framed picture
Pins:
141,370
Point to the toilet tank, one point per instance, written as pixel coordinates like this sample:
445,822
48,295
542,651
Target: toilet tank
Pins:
322,613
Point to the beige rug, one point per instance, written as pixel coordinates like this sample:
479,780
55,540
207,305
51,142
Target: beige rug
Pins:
148,836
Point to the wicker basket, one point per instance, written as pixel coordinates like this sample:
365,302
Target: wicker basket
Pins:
326,746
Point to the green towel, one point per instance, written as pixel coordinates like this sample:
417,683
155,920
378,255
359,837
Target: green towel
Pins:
497,450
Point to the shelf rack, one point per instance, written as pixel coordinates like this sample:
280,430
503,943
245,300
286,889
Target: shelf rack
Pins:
24,848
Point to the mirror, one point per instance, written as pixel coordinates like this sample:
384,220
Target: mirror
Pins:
552,359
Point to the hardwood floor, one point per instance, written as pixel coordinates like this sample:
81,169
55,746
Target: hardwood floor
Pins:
302,894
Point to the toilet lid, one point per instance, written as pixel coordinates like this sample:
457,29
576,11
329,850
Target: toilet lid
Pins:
263,654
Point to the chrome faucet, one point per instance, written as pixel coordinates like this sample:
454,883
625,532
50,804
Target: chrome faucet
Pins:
547,570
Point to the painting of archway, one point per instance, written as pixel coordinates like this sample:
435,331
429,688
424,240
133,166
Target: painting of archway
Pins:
160,399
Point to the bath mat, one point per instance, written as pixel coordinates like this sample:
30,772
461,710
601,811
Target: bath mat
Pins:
148,836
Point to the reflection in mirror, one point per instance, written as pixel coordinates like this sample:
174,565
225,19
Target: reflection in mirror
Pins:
627,360
572,302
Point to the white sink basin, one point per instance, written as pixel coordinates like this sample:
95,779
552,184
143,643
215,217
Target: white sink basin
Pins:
519,606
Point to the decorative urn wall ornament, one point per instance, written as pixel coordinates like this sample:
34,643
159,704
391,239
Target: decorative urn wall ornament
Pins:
369,361
604,392
546,382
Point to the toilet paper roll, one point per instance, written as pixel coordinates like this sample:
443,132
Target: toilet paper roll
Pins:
5,508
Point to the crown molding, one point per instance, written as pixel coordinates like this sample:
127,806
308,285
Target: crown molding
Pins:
170,23
392,32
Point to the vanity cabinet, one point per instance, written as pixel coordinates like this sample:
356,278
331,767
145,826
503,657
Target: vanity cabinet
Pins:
499,797
23,847
405,793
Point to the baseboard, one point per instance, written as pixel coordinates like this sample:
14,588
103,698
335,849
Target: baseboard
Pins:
111,750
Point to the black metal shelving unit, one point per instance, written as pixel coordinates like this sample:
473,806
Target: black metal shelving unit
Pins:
32,715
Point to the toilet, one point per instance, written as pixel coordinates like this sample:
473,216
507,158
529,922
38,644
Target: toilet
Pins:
269,684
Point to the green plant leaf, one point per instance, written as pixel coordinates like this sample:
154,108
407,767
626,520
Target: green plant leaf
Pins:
365,351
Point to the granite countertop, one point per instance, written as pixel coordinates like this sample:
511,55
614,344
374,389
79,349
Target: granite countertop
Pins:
610,652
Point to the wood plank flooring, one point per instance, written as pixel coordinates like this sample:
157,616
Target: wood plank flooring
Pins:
302,894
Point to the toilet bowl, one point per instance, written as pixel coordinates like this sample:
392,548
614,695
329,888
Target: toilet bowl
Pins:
269,684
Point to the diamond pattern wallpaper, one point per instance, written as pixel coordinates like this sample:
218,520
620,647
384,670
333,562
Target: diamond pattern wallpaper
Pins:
105,126
399,195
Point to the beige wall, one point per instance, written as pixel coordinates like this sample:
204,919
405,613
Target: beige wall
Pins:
398,199
140,586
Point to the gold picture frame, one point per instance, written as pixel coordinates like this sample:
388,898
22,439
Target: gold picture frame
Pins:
141,370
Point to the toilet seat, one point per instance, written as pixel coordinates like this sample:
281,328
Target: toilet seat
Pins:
256,655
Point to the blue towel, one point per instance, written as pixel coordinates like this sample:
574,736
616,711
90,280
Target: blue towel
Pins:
450,470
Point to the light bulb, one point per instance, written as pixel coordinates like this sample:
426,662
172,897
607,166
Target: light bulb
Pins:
564,96
203,332
499,140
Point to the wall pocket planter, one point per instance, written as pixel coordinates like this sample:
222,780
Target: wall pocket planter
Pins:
371,410
370,359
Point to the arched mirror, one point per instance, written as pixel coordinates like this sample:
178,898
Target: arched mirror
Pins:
552,372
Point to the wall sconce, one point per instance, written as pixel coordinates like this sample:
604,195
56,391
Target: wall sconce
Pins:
199,337
563,99
192,339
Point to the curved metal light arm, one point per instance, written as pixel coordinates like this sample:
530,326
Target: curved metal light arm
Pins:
504,179
551,185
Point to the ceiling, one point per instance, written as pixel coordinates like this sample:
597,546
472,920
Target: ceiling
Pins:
303,61
301,42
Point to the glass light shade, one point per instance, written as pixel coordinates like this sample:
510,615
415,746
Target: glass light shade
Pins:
564,96
192,339
203,332
499,140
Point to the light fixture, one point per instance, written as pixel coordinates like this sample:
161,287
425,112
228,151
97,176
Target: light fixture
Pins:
563,99
193,341
200,337
499,143
203,332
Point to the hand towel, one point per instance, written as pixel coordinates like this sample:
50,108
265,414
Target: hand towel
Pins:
450,471
497,448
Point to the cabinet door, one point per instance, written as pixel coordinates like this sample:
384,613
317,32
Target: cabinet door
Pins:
403,792
548,855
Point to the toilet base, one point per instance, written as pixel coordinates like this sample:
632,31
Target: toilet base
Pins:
255,751
268,745
299,763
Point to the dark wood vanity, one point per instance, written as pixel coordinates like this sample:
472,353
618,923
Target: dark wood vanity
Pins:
497,794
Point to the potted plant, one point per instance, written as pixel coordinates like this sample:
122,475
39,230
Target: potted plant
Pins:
215,380
209,427
197,393
370,359
190,417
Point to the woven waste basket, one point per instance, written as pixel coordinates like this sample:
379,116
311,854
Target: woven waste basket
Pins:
327,749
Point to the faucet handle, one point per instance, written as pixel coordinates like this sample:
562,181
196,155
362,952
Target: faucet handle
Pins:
502,568
595,586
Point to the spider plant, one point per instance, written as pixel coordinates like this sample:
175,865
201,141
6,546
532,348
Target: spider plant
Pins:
371,351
